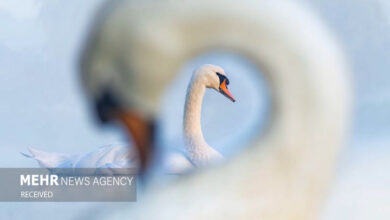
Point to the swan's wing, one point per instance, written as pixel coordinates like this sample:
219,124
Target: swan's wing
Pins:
48,159
118,167
112,154
106,156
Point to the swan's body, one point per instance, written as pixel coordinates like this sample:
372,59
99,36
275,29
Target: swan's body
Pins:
137,48
198,152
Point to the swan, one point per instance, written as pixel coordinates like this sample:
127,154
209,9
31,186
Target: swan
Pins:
199,153
134,51
207,76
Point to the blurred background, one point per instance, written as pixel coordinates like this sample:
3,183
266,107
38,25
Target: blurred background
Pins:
42,104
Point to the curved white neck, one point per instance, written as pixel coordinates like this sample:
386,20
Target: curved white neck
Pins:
199,152
192,110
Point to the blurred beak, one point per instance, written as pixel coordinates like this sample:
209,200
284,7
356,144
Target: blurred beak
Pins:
225,91
142,133
138,128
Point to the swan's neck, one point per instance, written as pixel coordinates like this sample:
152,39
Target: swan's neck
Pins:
198,150
192,110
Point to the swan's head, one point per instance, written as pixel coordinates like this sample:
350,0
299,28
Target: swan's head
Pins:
214,77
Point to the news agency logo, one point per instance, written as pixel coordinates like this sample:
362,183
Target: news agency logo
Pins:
54,180
36,184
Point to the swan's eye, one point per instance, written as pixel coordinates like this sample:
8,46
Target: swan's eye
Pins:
222,78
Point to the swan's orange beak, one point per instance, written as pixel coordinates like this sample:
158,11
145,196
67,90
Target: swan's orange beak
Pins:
225,91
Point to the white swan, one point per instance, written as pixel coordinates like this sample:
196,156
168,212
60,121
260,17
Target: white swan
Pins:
137,48
199,152
207,76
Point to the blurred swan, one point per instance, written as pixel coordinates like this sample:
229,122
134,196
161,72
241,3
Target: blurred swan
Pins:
199,153
136,48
